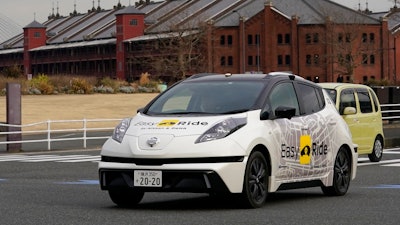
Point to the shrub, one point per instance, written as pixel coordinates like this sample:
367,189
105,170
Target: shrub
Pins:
14,71
80,86
42,84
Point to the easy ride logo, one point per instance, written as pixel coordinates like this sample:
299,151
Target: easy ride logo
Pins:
169,124
305,149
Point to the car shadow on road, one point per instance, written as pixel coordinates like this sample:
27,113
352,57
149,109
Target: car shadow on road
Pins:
215,202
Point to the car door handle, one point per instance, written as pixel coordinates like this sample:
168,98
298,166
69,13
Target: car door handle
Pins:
332,122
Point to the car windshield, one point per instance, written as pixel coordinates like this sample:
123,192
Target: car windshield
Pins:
332,93
207,97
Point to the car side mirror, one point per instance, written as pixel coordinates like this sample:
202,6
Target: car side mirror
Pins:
264,115
349,111
285,112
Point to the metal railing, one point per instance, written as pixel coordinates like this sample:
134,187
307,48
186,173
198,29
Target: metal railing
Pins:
32,134
390,112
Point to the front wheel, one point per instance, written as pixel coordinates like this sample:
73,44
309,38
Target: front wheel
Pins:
126,198
377,151
341,175
255,186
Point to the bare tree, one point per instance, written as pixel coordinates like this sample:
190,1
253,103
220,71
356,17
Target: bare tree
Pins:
349,41
174,53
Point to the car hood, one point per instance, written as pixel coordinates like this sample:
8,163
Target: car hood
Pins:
176,126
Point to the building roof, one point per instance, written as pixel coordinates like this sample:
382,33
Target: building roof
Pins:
164,15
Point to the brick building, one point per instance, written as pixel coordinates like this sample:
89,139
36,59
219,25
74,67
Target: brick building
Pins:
317,39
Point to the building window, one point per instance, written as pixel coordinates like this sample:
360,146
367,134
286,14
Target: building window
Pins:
230,40
250,60
371,37
364,59
37,35
348,37
308,38
372,59
287,38
316,38
308,59
348,58
280,39
280,60
316,59
230,60
287,59
222,40
365,79
340,37
258,60
249,39
134,22
364,37
223,62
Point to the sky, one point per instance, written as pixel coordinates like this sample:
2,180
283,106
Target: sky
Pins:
23,12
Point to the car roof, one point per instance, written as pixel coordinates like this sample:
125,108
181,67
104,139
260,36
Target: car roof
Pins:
332,85
245,77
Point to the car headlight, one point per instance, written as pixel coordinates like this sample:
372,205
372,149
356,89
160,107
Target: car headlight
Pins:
222,129
120,130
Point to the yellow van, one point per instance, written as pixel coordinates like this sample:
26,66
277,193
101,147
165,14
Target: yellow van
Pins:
360,108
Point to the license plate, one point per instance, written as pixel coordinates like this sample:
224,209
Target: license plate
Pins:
147,178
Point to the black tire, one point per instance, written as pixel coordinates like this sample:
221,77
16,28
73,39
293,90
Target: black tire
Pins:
377,151
341,175
126,198
255,184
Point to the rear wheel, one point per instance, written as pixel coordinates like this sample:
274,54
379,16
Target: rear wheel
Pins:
377,151
126,198
255,186
341,175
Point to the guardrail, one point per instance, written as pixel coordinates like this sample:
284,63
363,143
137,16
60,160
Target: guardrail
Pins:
51,127
391,112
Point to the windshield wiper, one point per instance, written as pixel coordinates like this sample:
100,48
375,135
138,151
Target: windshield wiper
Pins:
235,111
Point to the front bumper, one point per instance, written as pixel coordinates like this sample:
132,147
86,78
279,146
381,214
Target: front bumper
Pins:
207,175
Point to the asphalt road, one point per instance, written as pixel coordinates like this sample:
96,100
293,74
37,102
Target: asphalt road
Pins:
62,188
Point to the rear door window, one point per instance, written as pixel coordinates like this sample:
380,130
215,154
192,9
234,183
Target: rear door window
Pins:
311,99
365,100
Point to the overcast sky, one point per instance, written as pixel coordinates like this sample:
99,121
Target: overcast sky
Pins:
24,12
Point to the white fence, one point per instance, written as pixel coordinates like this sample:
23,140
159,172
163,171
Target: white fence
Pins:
85,126
390,111
82,127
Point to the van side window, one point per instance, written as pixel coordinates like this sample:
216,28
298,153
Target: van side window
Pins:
347,99
283,95
309,92
365,100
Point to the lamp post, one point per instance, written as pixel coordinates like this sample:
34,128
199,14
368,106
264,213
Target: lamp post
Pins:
242,20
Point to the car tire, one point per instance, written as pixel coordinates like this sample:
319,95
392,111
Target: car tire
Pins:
126,198
341,175
255,185
377,150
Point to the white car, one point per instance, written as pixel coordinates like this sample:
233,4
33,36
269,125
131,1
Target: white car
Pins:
246,135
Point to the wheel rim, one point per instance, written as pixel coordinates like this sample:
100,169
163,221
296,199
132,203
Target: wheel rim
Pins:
378,149
342,172
257,180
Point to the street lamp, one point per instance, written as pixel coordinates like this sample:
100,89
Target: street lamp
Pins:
242,19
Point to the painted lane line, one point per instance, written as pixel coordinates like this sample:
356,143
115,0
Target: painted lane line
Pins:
56,158
384,162
83,159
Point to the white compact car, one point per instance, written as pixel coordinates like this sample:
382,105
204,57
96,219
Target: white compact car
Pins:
246,135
